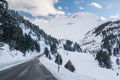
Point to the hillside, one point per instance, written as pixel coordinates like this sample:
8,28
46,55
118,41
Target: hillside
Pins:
104,36
19,33
20,40
86,67
22,37
67,52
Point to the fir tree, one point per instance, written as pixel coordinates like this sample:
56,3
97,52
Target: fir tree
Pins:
58,59
118,61
53,48
103,58
46,52
3,6
70,66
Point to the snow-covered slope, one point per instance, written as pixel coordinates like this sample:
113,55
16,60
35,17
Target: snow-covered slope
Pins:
71,27
106,36
11,58
86,67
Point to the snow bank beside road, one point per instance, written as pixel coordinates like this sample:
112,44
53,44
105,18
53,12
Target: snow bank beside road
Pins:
11,58
86,67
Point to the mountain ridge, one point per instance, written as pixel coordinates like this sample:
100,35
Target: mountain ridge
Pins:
75,24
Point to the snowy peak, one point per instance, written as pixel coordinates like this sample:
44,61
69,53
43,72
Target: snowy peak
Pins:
72,26
77,17
82,15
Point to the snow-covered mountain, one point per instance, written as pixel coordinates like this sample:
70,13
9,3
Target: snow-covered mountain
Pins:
98,37
107,36
72,26
19,39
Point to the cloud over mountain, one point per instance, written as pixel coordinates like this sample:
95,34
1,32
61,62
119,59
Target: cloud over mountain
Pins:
36,7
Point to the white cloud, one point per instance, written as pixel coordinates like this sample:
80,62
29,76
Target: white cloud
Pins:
117,16
35,7
96,5
60,8
81,8
103,18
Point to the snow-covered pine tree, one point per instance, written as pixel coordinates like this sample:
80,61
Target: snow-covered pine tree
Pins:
46,52
58,59
103,58
70,66
53,48
118,61
3,6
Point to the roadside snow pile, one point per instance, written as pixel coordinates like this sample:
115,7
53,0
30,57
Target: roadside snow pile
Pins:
11,58
84,63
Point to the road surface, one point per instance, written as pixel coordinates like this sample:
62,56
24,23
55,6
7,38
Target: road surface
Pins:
31,70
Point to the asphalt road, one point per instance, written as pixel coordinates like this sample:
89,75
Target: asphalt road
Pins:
31,70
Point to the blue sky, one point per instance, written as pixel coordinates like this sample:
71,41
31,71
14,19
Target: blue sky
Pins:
109,9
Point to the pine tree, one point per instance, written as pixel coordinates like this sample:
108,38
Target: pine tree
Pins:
46,52
70,66
103,58
67,46
53,48
58,59
118,61
77,47
37,46
115,51
3,6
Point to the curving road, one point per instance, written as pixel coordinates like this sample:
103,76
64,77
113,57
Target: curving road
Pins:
31,70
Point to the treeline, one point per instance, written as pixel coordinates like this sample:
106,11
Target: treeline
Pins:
111,36
71,46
